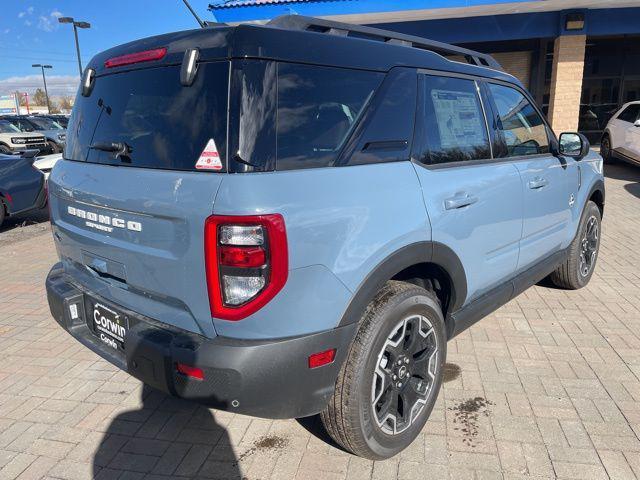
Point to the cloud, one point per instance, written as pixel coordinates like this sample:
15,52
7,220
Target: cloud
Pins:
58,85
6,30
46,23
28,11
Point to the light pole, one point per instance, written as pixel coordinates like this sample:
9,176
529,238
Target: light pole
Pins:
46,93
76,26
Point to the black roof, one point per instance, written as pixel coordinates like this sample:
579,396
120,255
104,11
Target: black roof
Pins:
308,40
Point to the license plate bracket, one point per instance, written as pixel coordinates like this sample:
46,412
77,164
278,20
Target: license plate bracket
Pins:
107,323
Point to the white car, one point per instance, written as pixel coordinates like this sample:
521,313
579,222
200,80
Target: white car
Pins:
621,138
46,163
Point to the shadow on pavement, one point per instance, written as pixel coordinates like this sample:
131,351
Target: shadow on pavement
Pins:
627,172
168,438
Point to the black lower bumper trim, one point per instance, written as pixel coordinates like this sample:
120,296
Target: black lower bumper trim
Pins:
269,379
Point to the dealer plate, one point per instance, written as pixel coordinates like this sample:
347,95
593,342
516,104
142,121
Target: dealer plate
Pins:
107,323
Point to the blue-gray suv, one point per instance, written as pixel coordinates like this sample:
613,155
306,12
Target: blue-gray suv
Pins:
294,218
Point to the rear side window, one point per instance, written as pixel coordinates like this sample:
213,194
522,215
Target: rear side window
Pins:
630,114
163,124
522,129
317,109
454,126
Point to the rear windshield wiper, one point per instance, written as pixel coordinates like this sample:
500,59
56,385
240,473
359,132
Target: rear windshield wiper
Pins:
121,149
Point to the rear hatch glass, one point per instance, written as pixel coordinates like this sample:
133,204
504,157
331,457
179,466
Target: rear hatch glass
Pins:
162,124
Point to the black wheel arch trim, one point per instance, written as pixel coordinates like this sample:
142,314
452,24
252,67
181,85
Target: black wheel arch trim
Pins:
413,254
598,186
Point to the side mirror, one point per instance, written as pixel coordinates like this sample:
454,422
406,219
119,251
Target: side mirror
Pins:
636,123
574,145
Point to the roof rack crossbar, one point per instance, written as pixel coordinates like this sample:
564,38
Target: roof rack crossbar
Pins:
300,22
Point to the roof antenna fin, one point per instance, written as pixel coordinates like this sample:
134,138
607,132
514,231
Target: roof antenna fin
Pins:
200,22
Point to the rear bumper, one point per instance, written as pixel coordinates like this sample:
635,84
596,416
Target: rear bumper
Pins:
269,379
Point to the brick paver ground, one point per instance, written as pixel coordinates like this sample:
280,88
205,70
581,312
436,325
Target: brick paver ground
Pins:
548,386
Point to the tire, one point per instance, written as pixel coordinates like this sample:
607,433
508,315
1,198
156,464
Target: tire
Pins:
574,273
605,149
3,213
53,147
356,417
5,150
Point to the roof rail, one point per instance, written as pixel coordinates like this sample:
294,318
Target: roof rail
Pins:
311,24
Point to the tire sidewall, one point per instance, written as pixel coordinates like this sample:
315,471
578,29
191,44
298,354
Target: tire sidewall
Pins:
414,301
606,153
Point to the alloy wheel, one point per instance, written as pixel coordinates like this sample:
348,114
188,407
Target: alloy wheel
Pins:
589,246
405,374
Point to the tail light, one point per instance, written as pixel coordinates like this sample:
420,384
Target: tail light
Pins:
247,263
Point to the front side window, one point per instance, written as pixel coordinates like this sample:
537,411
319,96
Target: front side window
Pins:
522,129
630,114
454,125
317,109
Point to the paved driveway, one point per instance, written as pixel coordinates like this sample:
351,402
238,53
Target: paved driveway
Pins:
546,387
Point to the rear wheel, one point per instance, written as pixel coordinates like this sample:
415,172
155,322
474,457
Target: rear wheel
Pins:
390,380
577,269
605,149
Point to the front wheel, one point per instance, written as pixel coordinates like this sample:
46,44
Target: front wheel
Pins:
390,380
576,271
53,147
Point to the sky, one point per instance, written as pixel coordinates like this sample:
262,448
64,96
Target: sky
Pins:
30,33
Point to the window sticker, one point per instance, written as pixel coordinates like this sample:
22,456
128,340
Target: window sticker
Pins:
209,158
458,117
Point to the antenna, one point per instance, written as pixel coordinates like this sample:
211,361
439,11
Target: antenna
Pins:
200,22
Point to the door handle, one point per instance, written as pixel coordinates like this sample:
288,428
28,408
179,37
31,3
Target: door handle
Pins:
538,182
460,200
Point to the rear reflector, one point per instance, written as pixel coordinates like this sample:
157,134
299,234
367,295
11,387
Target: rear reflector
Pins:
189,371
322,358
138,57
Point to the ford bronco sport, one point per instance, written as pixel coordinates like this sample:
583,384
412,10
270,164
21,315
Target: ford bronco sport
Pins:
294,218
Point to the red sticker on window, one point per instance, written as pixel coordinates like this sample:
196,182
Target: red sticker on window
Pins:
209,158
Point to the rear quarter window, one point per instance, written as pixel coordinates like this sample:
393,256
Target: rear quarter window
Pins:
317,109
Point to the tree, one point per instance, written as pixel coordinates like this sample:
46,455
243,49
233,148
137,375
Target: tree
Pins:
39,97
66,103
54,108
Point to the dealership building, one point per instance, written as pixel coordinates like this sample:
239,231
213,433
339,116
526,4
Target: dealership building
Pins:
580,59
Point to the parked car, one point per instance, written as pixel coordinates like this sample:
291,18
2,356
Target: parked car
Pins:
46,162
13,140
22,187
61,119
621,138
54,133
251,220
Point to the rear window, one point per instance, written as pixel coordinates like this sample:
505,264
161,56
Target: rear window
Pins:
163,124
317,109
